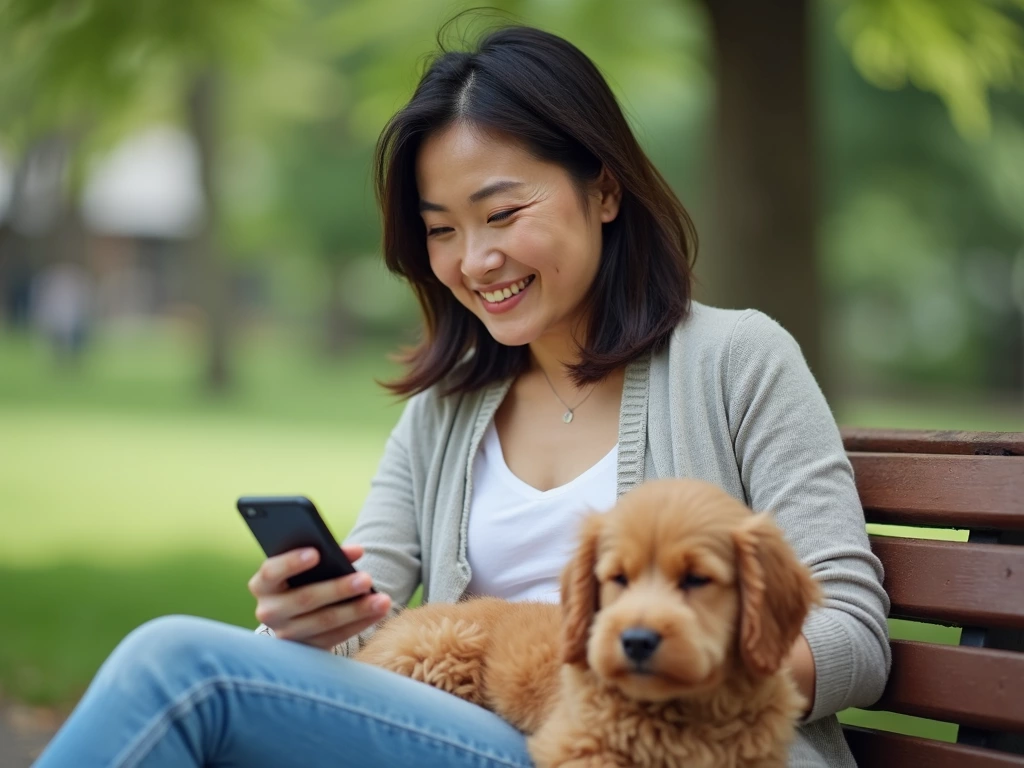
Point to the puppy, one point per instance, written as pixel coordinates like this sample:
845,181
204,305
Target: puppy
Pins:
677,613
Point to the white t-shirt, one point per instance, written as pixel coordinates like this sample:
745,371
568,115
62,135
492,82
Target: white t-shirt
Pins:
520,538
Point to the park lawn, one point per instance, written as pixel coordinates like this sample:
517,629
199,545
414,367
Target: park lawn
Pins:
134,518
117,485
118,481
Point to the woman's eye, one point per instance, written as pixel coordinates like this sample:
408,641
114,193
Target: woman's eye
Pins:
438,231
621,579
692,581
502,215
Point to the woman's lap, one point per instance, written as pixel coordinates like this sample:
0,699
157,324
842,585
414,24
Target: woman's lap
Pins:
186,691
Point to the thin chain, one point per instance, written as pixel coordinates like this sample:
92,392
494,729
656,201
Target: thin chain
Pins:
570,408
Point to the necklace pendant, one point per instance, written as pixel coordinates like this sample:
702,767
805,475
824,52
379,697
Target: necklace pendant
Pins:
567,417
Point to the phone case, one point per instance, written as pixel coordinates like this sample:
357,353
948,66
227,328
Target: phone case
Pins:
283,523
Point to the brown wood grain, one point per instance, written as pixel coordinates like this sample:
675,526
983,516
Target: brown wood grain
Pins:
979,585
945,491
878,749
978,687
927,441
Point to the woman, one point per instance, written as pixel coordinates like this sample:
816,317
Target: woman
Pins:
562,363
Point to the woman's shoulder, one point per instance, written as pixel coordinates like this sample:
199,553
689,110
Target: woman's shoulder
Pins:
712,333
736,353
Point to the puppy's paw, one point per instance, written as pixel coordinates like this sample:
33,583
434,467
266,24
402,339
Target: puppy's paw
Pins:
445,653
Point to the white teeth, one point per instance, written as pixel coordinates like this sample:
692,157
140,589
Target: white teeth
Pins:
495,297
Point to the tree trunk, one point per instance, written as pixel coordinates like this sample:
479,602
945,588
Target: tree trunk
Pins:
208,272
761,244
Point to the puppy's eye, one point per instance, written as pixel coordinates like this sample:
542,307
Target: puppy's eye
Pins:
692,581
621,579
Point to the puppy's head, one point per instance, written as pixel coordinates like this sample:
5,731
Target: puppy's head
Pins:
678,587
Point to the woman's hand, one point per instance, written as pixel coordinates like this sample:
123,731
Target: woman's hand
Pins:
309,614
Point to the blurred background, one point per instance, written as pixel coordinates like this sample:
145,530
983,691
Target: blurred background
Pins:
193,306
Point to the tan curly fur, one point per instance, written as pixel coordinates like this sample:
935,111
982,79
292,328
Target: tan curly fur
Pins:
721,588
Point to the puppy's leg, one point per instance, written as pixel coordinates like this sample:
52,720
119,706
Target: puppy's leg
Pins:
445,652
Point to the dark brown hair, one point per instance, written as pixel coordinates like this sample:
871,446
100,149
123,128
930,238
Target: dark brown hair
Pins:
543,92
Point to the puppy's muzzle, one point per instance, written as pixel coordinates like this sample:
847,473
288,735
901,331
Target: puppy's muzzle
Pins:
639,643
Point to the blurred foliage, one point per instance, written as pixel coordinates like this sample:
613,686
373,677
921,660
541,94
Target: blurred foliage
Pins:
921,234
921,219
958,49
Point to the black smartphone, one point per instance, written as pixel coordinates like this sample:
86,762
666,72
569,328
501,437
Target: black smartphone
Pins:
284,523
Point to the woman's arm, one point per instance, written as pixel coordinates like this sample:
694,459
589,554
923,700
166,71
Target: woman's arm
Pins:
792,463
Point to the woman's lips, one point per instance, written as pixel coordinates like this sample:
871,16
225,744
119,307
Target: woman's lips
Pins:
505,304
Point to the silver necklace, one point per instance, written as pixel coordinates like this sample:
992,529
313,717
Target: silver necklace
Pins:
570,409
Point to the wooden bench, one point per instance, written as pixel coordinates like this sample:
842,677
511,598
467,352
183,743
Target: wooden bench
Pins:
964,480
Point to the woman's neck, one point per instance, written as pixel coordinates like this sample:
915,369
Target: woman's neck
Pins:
553,354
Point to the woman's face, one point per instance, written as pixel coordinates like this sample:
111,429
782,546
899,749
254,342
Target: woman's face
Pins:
507,233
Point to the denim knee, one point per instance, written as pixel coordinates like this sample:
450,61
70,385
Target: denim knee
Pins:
166,650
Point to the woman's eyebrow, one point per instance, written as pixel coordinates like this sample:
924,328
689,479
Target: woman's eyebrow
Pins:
481,194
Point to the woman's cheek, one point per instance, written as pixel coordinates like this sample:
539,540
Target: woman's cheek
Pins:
444,268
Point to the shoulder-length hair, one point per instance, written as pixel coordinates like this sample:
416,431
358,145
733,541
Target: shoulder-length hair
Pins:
540,90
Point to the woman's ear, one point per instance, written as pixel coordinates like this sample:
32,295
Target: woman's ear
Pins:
776,593
609,195
579,593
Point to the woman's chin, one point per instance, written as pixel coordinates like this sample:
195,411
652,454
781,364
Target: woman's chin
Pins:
510,336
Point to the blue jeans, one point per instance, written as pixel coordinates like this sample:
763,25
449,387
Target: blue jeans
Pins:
183,691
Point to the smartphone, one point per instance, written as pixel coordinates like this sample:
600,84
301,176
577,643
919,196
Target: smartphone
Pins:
284,523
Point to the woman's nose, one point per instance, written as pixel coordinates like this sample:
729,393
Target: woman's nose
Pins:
477,262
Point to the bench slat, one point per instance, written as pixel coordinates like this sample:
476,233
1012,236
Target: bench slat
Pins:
942,442
945,491
978,687
878,749
979,585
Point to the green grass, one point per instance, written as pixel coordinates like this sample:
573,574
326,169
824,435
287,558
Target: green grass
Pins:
62,619
118,481
117,484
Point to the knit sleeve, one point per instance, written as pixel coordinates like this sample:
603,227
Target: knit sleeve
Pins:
792,463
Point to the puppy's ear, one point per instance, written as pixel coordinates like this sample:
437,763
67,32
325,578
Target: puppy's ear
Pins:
776,592
579,593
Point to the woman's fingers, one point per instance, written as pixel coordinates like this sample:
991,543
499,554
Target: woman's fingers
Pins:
336,623
277,608
352,551
272,576
322,614
328,640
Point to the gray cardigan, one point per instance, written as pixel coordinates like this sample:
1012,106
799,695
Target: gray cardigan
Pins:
730,400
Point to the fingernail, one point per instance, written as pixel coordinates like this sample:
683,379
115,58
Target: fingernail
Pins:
308,555
360,582
379,603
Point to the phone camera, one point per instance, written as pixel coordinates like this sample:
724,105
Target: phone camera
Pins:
251,512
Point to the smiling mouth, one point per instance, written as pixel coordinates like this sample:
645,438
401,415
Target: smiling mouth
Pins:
497,297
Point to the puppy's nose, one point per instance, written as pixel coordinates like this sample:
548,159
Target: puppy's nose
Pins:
639,643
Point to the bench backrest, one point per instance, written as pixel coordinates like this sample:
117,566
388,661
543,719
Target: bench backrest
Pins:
963,480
